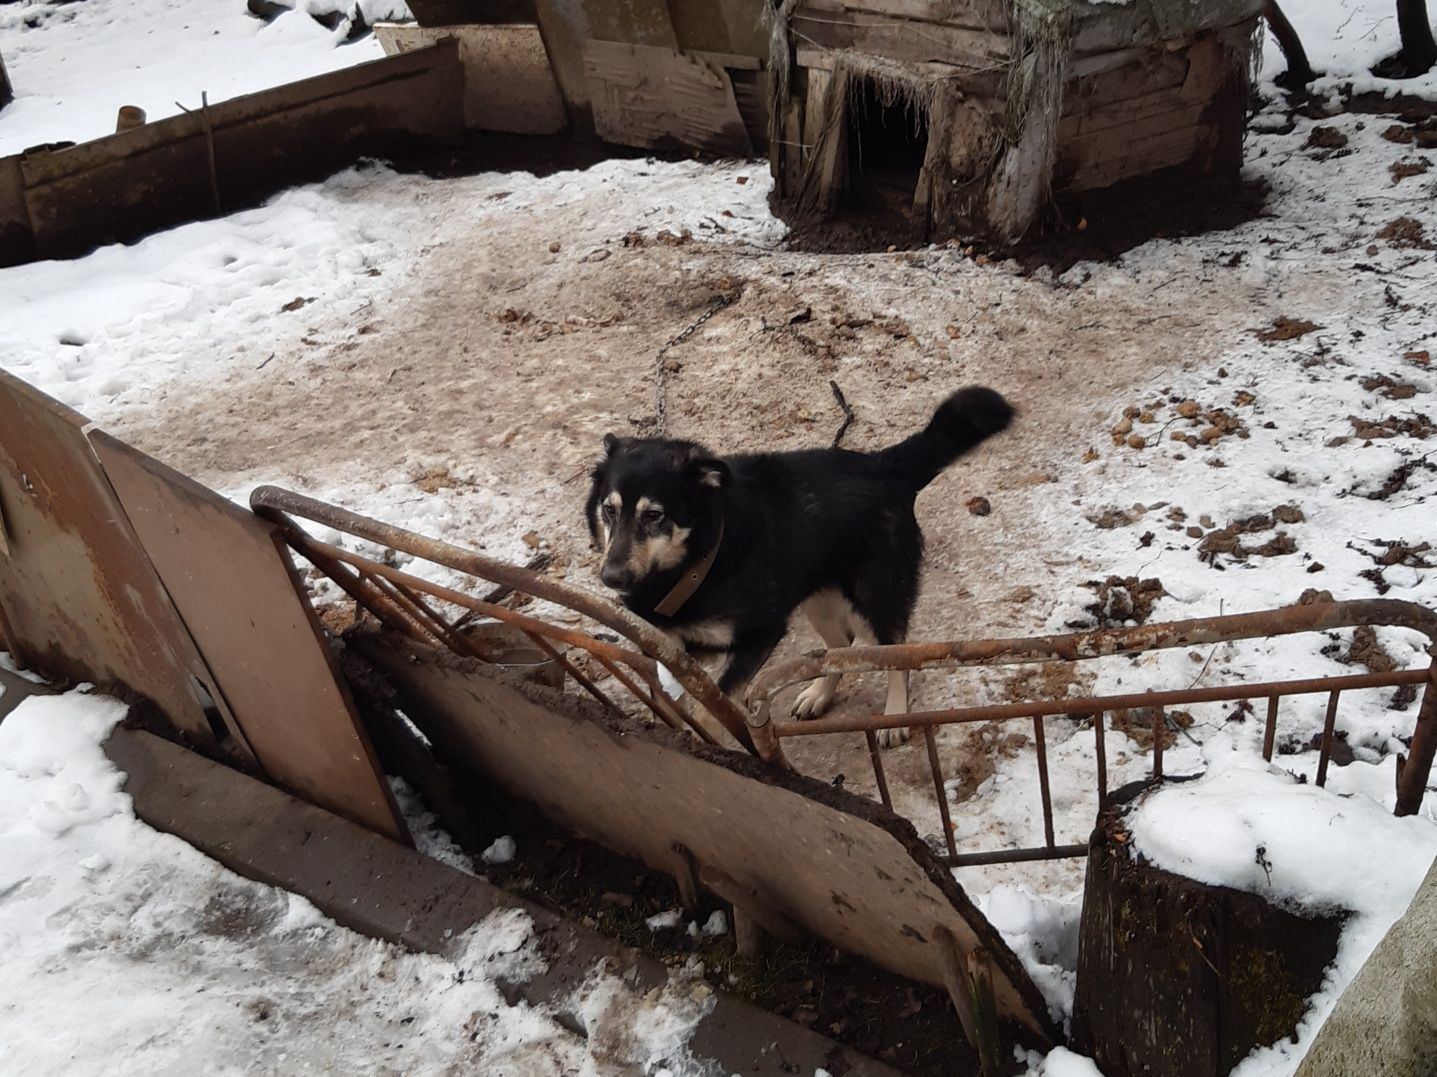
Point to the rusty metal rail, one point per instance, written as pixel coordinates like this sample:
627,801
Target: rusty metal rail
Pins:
1413,771
398,600
406,603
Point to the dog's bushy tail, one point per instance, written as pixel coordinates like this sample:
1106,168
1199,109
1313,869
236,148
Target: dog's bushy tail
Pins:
961,423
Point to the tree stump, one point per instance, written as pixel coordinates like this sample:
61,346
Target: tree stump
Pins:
1177,978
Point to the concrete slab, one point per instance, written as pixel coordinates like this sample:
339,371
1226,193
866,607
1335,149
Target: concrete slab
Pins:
385,890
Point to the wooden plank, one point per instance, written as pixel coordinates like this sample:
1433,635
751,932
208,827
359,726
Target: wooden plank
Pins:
126,185
650,97
840,866
17,238
81,599
637,22
731,26
508,84
969,14
565,27
901,39
1121,157
1153,72
229,575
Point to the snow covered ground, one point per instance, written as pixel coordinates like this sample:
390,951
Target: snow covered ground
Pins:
129,952
445,355
74,64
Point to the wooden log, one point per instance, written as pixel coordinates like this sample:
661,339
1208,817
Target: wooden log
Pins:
1177,978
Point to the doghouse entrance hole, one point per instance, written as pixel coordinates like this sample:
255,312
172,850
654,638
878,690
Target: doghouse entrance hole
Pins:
887,144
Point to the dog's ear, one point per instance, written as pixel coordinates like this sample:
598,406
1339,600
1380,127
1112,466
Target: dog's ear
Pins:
611,444
710,471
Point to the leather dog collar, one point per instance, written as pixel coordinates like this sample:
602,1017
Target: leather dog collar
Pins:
689,582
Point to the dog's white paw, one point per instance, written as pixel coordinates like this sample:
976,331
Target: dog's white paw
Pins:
892,738
813,700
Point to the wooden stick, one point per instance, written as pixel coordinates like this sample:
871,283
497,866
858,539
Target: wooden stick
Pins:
685,877
747,904
847,412
210,151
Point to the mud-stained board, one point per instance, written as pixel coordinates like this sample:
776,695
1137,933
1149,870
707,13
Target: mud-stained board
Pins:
229,575
833,863
80,598
655,97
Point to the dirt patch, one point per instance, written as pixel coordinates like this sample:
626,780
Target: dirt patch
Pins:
1415,425
1404,232
1367,651
1121,600
1387,386
978,759
1388,553
1228,541
1407,168
1323,137
1137,725
1284,328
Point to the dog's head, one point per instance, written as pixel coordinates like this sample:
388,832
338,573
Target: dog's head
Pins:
651,501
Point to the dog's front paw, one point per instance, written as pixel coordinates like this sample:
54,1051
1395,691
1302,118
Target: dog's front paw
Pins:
892,738
813,700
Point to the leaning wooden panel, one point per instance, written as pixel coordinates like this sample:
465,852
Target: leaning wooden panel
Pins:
80,599
230,577
655,97
835,864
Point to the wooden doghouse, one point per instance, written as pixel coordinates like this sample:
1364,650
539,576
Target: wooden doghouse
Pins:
971,115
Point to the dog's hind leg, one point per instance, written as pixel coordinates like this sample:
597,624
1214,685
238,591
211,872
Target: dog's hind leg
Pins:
830,615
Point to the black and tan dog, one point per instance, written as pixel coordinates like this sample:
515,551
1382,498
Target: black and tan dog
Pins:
719,552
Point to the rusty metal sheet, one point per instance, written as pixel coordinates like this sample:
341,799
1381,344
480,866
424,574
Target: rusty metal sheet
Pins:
126,185
231,579
835,864
656,98
80,598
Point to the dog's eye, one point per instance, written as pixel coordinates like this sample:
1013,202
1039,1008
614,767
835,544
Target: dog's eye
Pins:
652,516
608,512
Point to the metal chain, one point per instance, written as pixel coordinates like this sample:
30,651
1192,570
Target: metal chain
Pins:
661,409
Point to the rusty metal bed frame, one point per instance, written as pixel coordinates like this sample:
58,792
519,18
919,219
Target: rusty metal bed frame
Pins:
398,600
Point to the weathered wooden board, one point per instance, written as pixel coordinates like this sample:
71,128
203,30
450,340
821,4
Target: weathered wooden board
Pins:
656,97
17,238
229,575
837,865
971,14
735,26
638,22
903,40
128,184
81,599
508,84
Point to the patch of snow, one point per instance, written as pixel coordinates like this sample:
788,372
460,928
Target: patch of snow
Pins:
664,921
716,924
141,933
430,838
1296,845
1043,931
501,851
1344,40
74,65
1059,1062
